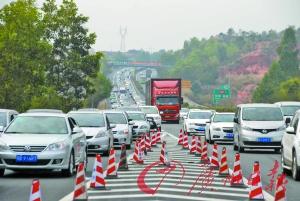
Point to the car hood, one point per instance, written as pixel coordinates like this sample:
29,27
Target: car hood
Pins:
263,124
152,115
201,121
32,139
120,127
92,131
223,124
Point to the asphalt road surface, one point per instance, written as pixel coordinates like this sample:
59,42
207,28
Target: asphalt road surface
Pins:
15,186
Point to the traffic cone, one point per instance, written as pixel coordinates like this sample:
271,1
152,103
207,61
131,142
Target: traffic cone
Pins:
123,165
214,158
158,137
162,153
198,147
80,187
193,147
148,143
137,154
180,138
237,175
256,191
153,139
223,170
111,167
143,145
140,154
97,180
185,144
280,190
204,157
35,192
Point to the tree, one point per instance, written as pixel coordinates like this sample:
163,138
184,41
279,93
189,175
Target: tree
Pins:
71,65
23,54
289,90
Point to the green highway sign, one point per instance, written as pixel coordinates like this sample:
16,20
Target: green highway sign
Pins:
218,94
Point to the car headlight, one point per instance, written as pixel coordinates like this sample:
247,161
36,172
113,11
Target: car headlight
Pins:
246,128
4,147
57,146
100,134
216,129
281,128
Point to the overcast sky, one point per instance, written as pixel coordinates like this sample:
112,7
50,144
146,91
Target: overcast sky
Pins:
165,24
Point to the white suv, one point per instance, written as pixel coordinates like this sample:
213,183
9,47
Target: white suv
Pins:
196,120
290,148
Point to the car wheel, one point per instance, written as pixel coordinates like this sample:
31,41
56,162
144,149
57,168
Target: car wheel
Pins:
283,163
2,172
70,171
295,168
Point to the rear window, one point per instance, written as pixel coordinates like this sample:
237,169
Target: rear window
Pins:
262,114
88,119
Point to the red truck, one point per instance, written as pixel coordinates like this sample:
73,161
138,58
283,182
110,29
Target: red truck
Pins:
165,94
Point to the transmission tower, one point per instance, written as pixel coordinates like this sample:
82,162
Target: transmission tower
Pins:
123,33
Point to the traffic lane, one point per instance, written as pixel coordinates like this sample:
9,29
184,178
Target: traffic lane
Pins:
266,159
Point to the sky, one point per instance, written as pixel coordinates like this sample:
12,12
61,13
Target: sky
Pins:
165,24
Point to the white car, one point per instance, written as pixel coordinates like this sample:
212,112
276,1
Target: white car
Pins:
152,111
220,128
288,108
196,120
290,148
97,129
184,112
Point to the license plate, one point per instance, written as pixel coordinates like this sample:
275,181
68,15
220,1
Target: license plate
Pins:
26,158
200,129
264,139
229,135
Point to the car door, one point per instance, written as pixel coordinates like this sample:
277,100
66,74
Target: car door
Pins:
236,126
109,131
289,140
76,139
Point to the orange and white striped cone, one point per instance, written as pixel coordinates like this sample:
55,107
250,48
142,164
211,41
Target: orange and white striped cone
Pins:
158,137
136,153
198,147
148,143
140,154
35,192
256,191
80,187
111,167
162,156
153,139
180,138
123,165
280,190
214,158
204,156
185,144
143,145
237,175
193,147
97,180
224,170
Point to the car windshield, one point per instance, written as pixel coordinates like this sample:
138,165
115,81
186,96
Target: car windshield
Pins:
137,116
2,119
290,110
116,118
223,118
89,119
149,110
199,115
262,114
167,101
38,125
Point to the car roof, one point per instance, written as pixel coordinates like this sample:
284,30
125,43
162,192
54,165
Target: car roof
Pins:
44,111
7,110
44,114
86,112
224,113
113,111
88,109
199,110
287,103
258,105
135,112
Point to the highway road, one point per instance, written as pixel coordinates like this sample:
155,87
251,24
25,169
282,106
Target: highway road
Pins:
16,185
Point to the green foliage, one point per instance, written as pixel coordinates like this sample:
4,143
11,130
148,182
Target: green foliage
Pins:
277,83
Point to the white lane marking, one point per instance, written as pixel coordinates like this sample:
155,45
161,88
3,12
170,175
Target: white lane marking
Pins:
170,190
267,195
69,197
156,196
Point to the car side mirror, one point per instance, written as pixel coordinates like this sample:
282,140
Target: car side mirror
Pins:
112,126
131,123
76,130
287,120
235,120
290,130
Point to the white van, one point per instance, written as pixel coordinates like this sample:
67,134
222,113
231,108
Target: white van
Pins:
258,126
